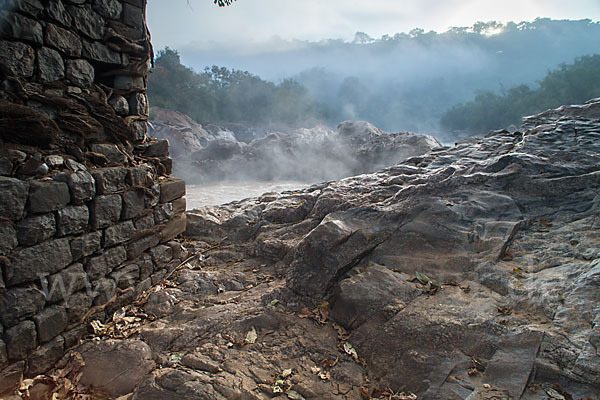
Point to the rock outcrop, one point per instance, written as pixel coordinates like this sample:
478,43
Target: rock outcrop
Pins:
307,155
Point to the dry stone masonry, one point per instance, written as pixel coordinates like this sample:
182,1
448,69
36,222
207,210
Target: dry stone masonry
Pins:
88,209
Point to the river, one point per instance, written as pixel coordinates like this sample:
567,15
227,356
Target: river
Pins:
225,192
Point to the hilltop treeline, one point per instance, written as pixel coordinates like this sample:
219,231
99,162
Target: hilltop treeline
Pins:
569,84
219,94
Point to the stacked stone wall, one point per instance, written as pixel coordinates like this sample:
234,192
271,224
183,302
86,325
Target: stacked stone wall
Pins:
88,208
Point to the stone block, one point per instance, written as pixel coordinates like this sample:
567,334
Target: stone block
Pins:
87,22
133,203
11,378
44,358
161,255
30,7
8,238
63,40
171,190
138,105
110,9
143,286
144,222
35,229
6,166
16,59
72,220
118,234
139,176
82,185
153,196
115,257
78,305
20,340
17,26
110,180
146,266
80,73
126,276
51,322
47,196
174,227
129,83
50,65
14,197
119,104
166,164
45,258
96,51
110,151
137,247
96,267
57,11
73,336
3,356
104,290
157,148
139,129
20,303
86,245
179,206
60,286
133,16
158,276
54,161
105,210
162,213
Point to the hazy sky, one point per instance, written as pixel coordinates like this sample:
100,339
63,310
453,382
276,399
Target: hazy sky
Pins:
176,24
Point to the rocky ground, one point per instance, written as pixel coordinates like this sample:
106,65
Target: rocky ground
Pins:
470,272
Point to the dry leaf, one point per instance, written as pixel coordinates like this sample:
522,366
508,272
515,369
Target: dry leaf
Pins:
251,336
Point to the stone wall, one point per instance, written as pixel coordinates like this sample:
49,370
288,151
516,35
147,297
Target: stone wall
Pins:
88,209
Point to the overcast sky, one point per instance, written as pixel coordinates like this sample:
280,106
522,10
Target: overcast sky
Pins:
176,24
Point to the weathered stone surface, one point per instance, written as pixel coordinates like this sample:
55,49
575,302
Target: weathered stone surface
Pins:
117,234
86,245
157,148
96,51
14,197
45,357
115,257
110,180
153,196
87,22
16,59
133,16
20,303
115,367
129,83
162,213
29,7
72,337
80,73
126,276
136,248
82,185
179,206
50,323
3,356
139,129
133,203
54,161
175,227
55,253
108,8
46,196
105,210
171,190
20,340
146,266
119,104
18,26
6,166
139,176
78,305
96,267
138,105
104,290
56,10
50,64
63,40
161,255
144,222
72,220
110,151
35,229
60,286
8,238
11,377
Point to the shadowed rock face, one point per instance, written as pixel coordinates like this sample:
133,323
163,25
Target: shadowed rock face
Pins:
485,251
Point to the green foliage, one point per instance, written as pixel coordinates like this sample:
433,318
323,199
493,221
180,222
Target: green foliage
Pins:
222,95
569,84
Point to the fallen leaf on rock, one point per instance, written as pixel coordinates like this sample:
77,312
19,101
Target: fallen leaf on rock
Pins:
545,223
325,376
329,363
350,350
273,302
286,373
175,357
251,336
424,279
315,370
518,272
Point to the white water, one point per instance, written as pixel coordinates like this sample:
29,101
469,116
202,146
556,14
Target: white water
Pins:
225,192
